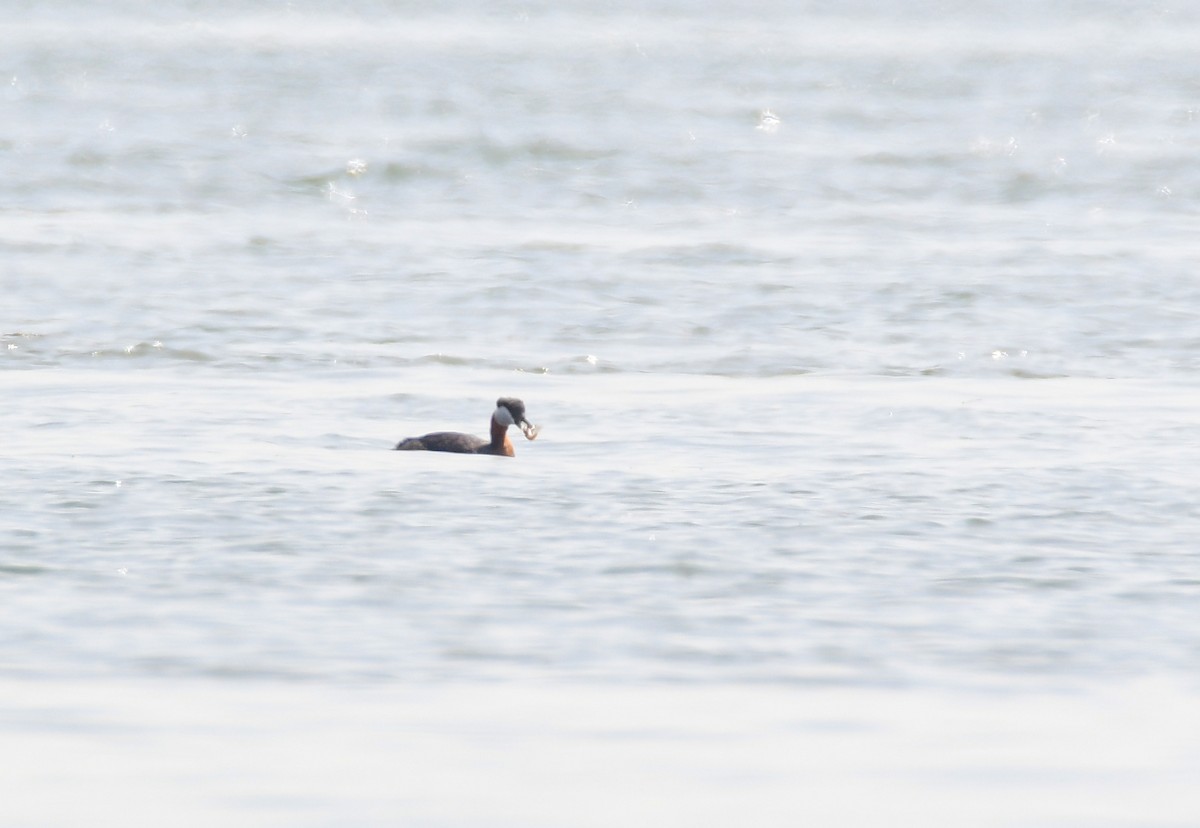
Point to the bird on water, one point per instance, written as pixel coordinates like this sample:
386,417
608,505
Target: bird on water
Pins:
509,411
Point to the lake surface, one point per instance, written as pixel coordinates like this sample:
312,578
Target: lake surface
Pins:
866,349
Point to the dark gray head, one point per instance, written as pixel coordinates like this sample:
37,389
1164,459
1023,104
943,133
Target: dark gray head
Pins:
515,407
511,411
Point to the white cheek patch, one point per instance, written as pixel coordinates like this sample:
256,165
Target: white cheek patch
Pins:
503,416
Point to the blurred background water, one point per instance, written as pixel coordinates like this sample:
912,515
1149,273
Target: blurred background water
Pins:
865,344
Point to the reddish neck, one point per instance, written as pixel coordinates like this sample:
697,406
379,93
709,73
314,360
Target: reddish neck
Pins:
500,442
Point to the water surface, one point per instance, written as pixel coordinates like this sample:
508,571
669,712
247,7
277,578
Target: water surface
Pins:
864,345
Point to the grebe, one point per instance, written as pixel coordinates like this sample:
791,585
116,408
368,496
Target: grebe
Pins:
509,411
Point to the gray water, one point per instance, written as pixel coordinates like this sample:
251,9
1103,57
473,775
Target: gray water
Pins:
865,344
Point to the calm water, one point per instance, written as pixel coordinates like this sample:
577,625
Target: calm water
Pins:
866,348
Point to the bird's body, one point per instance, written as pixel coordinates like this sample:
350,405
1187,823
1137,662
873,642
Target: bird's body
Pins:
457,442
509,411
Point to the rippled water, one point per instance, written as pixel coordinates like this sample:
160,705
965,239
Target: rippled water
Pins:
865,346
